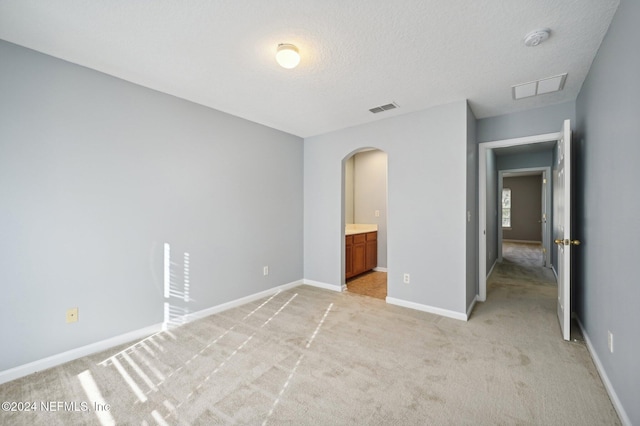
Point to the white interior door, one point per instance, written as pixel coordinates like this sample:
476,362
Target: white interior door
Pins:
562,236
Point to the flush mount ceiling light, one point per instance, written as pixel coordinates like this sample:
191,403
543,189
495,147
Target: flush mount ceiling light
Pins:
287,56
536,37
539,87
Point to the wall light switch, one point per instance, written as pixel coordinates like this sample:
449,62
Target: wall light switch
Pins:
265,271
72,315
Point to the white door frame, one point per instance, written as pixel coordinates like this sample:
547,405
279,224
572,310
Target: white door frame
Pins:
343,286
482,198
545,172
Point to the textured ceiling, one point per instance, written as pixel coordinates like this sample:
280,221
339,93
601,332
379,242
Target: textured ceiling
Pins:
355,54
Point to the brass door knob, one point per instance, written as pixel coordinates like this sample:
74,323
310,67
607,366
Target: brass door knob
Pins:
567,242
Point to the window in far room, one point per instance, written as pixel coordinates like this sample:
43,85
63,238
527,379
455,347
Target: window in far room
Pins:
506,207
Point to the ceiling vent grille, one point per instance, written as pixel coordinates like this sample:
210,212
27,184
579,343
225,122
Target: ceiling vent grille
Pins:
382,108
539,87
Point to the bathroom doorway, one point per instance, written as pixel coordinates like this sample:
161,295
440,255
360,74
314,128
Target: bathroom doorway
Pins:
365,219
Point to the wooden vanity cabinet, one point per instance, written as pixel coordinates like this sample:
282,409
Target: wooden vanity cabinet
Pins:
348,255
371,251
361,253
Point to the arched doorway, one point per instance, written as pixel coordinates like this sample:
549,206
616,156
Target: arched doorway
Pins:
364,222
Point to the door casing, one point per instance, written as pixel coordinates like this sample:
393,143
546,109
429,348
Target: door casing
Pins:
483,149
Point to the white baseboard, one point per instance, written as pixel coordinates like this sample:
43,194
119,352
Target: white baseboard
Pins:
239,302
380,269
605,379
322,285
61,358
427,308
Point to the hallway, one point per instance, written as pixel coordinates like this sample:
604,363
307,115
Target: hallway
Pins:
523,262
527,289
520,267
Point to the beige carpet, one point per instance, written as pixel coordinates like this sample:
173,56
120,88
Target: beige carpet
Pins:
524,254
310,356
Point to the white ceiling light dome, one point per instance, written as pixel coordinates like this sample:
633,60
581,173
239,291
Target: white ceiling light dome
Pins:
536,37
287,56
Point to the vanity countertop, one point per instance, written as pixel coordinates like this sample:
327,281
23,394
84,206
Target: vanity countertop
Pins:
359,228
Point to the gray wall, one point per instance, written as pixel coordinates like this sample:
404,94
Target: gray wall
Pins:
348,190
525,161
427,220
606,143
97,174
537,121
370,194
526,208
472,208
492,210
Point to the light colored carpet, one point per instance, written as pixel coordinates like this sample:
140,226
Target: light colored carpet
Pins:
524,254
311,356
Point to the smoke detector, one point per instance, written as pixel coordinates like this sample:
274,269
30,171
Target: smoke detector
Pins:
536,37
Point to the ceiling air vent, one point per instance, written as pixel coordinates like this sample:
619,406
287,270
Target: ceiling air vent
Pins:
382,108
539,87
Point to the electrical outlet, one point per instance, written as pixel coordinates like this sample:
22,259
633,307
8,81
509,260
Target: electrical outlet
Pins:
377,213
610,341
407,278
265,271
72,315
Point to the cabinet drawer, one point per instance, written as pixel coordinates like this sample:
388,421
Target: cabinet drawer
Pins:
359,238
372,236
